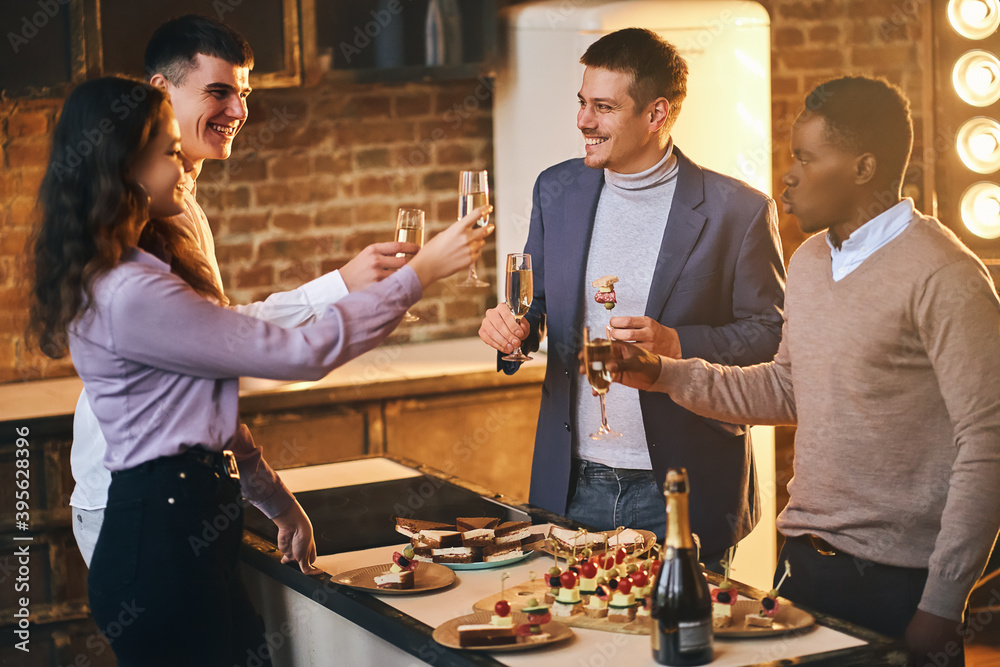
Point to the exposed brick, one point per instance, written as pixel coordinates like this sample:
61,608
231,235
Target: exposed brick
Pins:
824,34
237,197
455,128
13,241
784,85
295,222
258,276
459,310
31,181
271,194
298,273
812,11
875,56
246,223
358,241
335,216
23,211
227,253
464,98
292,248
413,155
374,212
248,167
370,186
369,106
27,124
788,37
452,154
806,59
441,180
361,134
333,164
334,264
418,104
26,153
372,158
290,166
876,8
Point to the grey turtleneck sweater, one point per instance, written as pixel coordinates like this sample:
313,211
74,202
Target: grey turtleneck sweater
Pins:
628,228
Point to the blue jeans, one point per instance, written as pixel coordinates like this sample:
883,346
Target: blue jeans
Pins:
605,498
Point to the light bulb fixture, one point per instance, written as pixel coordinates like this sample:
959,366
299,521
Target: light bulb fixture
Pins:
978,144
980,207
976,77
974,19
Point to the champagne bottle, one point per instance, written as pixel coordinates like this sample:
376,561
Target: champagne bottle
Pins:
682,607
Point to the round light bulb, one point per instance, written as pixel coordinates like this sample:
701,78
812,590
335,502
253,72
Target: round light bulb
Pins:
976,78
974,19
984,146
978,144
980,209
974,12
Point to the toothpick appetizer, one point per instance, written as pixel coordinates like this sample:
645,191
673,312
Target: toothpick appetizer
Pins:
606,291
769,603
724,597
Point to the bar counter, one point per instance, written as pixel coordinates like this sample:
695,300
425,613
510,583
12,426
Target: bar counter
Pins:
312,621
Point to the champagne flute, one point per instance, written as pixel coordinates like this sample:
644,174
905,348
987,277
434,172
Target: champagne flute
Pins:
410,229
519,293
473,192
596,355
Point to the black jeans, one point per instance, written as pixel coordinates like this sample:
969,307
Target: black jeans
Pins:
879,597
164,585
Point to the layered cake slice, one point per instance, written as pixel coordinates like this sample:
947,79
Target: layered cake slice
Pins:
438,539
512,531
411,527
477,531
499,552
570,540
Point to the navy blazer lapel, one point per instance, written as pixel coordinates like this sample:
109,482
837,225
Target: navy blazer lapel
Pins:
575,233
684,226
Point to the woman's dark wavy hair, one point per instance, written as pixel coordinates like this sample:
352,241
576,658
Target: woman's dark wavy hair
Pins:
91,207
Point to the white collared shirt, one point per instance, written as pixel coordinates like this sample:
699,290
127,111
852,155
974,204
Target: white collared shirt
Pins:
869,237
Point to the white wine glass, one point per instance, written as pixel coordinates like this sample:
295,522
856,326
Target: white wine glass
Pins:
596,355
410,229
519,293
473,192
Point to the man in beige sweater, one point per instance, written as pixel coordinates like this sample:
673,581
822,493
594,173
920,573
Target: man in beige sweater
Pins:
889,364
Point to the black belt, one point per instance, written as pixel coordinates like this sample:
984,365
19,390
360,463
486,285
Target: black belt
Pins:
821,546
223,463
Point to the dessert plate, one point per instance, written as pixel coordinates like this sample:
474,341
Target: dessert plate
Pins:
446,634
427,577
487,566
649,539
788,618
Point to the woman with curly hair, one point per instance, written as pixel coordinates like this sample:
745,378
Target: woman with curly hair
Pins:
127,294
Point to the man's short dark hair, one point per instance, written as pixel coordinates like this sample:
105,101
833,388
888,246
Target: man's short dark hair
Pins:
866,115
656,67
172,48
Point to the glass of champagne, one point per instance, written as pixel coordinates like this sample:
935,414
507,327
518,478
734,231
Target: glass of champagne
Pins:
410,229
596,355
473,192
519,292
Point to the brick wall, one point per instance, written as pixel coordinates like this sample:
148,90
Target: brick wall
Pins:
812,41
318,172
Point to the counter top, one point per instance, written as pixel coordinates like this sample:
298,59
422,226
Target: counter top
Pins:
388,371
407,621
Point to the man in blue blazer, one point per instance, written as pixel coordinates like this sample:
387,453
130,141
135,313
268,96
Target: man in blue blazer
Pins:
696,253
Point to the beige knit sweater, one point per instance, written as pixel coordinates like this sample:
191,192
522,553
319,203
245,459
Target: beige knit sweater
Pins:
893,377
